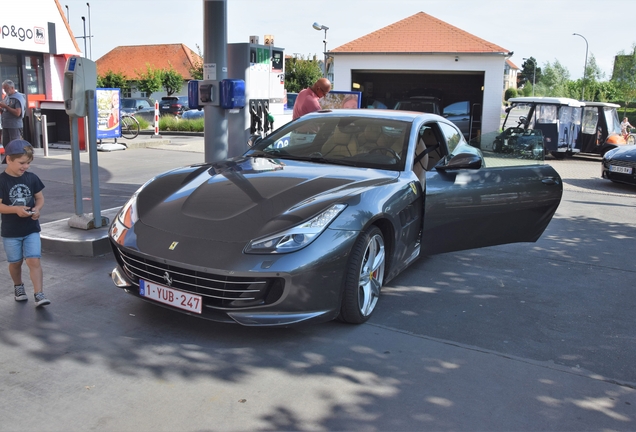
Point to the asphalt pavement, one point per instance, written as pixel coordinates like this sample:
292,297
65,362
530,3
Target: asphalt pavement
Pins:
517,337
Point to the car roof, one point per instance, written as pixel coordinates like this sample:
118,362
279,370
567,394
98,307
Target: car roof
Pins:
548,100
408,116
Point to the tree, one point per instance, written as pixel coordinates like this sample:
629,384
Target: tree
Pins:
196,71
528,68
113,80
149,81
301,73
172,81
624,75
554,80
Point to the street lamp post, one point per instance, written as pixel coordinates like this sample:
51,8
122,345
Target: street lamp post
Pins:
325,28
585,67
534,72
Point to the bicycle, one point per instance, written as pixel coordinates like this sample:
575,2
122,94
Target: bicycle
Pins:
129,126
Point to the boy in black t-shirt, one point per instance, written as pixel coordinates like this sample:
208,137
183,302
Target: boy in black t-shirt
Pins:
21,200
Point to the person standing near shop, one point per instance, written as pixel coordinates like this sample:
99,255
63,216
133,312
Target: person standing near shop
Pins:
308,99
12,107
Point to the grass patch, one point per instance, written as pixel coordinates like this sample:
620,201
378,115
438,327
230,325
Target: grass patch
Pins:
143,124
170,123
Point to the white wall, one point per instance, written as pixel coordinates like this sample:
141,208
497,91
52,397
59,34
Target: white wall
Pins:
491,65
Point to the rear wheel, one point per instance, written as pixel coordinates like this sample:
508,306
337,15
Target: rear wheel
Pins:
558,155
364,277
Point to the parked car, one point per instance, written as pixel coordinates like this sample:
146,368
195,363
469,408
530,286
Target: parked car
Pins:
192,114
619,165
314,218
426,104
139,107
173,105
459,114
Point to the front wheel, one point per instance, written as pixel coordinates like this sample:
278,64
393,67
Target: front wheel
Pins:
364,278
129,127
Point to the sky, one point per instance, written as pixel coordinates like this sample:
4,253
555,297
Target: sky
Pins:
542,29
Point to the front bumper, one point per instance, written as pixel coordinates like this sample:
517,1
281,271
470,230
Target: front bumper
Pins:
261,290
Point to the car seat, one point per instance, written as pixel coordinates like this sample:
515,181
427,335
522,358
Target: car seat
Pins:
340,144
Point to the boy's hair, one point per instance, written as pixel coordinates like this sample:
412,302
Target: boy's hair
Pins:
28,152
16,149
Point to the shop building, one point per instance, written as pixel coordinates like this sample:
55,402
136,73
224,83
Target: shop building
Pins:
35,42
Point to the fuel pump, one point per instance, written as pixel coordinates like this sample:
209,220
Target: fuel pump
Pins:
262,67
80,81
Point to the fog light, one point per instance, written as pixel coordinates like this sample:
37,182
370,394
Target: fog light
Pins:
118,279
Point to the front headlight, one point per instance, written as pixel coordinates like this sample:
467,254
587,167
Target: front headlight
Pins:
297,237
610,153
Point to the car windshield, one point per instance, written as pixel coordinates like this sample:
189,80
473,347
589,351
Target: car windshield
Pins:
342,140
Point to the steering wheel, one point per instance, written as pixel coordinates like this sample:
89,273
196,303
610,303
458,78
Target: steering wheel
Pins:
386,150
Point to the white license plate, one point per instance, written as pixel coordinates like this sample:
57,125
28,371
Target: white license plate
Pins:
170,296
165,106
620,169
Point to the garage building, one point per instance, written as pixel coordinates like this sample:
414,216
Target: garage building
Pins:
422,55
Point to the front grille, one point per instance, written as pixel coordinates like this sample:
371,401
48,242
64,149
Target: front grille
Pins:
217,290
619,163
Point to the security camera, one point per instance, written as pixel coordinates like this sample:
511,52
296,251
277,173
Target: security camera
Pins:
456,58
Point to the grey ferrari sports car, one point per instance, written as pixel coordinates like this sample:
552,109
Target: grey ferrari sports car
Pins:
314,218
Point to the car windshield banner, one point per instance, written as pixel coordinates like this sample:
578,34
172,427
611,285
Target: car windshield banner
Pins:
108,113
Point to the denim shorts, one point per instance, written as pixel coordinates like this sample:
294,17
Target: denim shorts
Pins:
19,248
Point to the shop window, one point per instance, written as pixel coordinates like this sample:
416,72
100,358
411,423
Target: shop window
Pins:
10,69
34,74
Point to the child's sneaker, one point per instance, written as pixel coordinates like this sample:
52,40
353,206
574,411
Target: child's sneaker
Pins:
41,300
20,294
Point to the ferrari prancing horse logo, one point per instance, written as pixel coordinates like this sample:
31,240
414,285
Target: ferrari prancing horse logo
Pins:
173,245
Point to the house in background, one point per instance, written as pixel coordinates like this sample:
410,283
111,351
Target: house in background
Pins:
510,75
422,54
130,61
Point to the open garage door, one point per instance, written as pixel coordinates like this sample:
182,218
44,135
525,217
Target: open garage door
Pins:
460,91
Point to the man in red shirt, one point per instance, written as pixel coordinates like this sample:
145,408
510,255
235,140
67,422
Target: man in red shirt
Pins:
307,100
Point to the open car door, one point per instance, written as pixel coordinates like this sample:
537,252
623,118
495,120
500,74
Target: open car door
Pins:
468,205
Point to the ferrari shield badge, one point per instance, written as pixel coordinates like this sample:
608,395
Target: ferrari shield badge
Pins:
173,245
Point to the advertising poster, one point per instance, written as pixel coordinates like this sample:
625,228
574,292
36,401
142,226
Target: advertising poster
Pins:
108,114
341,99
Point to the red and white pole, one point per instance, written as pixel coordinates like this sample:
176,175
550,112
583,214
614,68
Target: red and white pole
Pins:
156,134
156,118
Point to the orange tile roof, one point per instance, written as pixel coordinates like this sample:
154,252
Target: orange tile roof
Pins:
128,60
511,64
419,33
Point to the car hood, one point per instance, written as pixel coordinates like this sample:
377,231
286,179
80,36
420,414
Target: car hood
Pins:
625,153
245,198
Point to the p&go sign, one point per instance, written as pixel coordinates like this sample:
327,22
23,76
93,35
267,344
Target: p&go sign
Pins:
21,36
